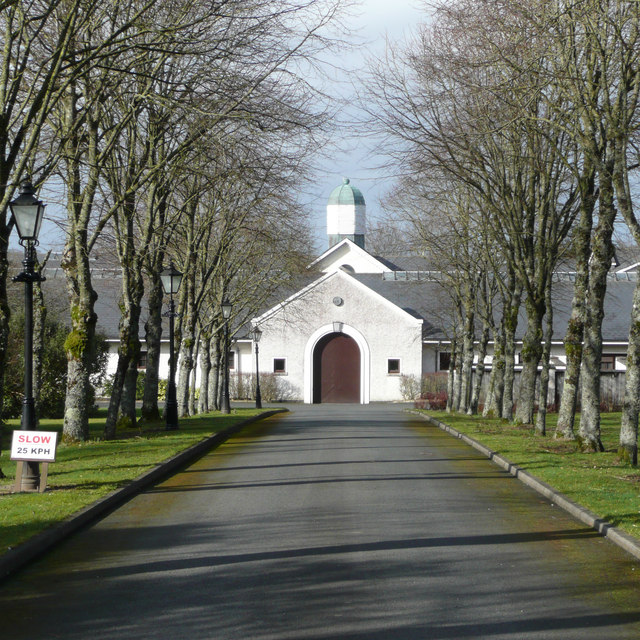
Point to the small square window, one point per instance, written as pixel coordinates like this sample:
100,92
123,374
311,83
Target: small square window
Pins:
444,361
279,365
609,362
393,366
142,360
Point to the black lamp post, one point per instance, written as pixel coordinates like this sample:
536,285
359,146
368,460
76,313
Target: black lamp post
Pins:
257,334
226,314
28,212
171,279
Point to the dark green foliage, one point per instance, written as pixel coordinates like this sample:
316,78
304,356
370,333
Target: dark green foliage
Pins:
100,361
107,386
14,373
54,369
54,372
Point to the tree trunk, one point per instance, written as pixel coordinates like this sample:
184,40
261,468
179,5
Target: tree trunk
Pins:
531,354
498,387
569,401
575,329
128,400
541,418
493,405
128,351
451,377
589,432
466,373
493,402
510,319
214,376
153,338
480,369
205,370
129,347
79,345
185,367
457,387
628,447
192,386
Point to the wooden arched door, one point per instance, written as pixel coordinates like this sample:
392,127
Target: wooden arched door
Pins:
336,369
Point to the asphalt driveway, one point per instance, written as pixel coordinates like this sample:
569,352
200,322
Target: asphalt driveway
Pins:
332,521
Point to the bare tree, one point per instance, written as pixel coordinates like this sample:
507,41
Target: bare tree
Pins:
36,69
450,100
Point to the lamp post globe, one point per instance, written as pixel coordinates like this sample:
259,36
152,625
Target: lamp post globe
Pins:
171,279
27,212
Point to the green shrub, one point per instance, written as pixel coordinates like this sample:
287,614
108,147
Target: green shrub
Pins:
107,386
54,370
140,385
124,423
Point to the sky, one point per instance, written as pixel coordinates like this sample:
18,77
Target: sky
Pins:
374,21
371,21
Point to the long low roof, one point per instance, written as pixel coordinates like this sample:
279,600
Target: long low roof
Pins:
418,293
429,300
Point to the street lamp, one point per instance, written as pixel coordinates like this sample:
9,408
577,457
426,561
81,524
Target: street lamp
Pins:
226,314
256,335
28,212
171,279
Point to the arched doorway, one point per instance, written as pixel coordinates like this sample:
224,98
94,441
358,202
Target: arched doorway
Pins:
336,369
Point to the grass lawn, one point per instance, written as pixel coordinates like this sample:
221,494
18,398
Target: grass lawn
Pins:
86,472
597,481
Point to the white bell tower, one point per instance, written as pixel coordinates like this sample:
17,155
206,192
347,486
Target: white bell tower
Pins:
346,215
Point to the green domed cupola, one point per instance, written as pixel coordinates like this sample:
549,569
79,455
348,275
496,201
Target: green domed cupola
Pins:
346,211
346,193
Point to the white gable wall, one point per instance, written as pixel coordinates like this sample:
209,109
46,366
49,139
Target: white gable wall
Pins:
381,329
350,255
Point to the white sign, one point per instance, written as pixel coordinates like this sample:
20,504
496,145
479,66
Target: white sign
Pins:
34,446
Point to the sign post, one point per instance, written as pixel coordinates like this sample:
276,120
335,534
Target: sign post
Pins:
34,446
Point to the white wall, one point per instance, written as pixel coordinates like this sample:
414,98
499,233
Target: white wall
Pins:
382,329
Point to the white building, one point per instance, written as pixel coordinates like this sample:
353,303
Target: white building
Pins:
361,323
354,330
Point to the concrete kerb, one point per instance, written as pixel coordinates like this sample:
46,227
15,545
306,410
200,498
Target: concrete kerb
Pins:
15,559
622,539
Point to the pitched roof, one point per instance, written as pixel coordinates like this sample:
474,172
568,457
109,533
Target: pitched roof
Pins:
428,299
416,292
340,252
424,299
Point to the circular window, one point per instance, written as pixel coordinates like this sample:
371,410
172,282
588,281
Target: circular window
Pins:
338,301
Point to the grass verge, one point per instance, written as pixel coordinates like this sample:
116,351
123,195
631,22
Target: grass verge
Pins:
598,481
88,471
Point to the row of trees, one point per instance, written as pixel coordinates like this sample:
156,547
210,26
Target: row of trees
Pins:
175,131
517,122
